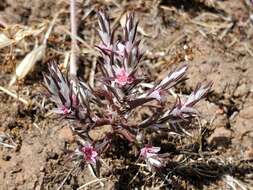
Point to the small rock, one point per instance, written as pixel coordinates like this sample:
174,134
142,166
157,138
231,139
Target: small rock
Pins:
221,137
66,135
247,112
52,155
99,133
249,153
42,168
6,157
212,113
220,121
241,90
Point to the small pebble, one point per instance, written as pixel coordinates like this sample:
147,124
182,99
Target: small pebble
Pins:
6,157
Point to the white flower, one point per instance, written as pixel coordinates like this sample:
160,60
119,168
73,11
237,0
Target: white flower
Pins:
149,154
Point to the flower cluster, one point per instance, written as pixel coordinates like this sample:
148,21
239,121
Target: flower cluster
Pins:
61,91
120,58
89,153
118,94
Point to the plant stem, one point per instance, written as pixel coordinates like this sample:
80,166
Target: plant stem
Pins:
73,56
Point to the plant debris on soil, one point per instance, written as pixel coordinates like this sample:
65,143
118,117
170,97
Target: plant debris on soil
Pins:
214,38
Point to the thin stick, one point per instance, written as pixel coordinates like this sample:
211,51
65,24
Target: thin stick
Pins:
92,172
65,179
173,93
66,60
50,28
73,56
89,183
79,39
7,145
14,95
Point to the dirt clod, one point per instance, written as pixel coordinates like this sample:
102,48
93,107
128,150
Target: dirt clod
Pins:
221,138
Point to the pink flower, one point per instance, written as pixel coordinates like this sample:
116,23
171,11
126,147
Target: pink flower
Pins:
123,78
62,110
149,151
65,110
89,154
158,94
149,154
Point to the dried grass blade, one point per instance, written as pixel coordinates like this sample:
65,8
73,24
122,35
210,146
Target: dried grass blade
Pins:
4,41
28,63
14,95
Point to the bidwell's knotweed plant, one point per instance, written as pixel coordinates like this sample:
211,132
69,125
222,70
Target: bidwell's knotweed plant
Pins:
117,95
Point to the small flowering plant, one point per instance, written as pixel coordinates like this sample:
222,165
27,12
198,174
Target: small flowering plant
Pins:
118,95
